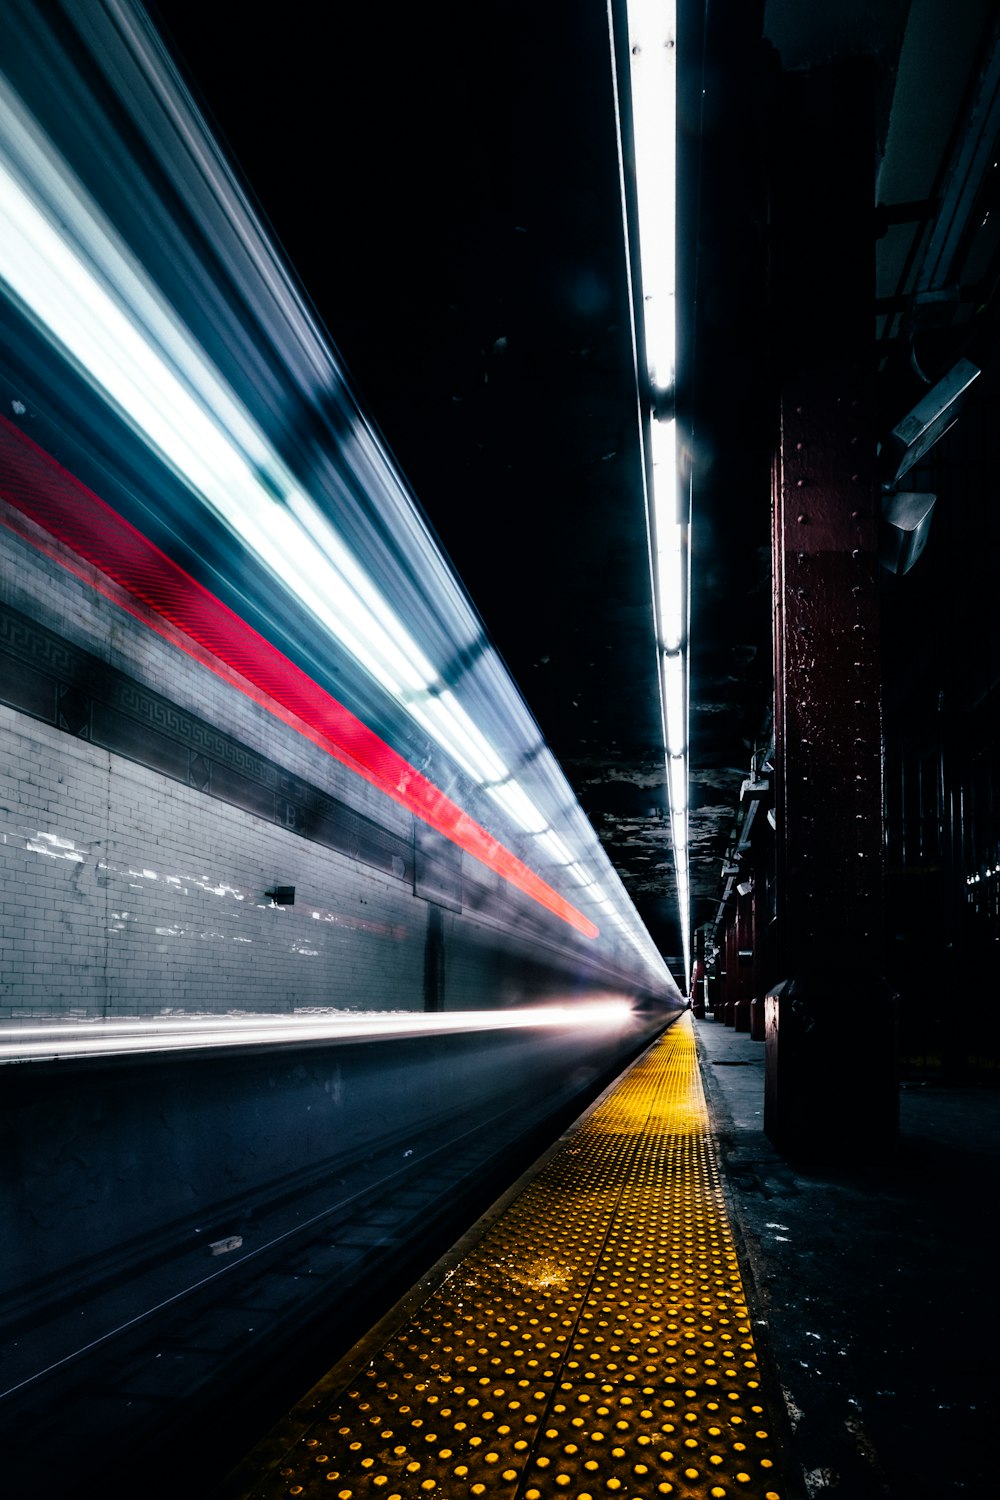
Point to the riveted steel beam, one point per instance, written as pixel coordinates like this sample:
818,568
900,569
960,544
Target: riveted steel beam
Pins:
828,731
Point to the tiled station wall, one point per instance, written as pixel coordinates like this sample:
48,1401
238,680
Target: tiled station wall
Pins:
128,889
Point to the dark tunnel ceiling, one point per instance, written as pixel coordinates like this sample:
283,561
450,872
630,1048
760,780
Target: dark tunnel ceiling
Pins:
447,190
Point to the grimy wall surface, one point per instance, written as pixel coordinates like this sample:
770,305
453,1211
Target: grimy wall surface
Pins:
129,887
147,805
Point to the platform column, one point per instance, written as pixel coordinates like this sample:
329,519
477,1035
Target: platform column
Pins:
743,936
732,970
830,1075
698,976
757,986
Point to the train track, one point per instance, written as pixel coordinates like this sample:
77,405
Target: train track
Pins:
208,1350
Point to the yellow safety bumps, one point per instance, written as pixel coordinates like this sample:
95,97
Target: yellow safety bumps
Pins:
596,1343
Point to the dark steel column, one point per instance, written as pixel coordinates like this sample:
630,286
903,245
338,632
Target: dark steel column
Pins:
698,976
744,959
757,986
829,1065
732,969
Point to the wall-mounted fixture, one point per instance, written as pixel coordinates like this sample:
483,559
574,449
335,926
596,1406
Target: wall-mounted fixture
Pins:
754,787
929,420
282,895
906,524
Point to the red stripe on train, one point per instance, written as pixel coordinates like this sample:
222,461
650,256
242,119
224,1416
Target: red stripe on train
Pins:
144,580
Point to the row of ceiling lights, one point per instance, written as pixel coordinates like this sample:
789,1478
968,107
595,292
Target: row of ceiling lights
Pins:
646,94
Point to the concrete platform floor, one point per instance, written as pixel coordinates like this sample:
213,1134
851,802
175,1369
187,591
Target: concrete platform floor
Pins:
875,1287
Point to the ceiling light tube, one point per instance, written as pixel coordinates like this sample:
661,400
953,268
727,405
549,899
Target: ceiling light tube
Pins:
651,92
677,782
675,702
668,536
652,68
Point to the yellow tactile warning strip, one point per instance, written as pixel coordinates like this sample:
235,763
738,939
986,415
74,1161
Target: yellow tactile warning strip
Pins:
595,1343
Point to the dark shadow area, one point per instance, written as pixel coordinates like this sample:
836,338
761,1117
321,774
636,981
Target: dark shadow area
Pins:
871,1285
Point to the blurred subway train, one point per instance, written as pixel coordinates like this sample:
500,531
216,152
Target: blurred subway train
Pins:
300,910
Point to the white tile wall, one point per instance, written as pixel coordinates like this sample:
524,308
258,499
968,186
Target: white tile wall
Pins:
123,892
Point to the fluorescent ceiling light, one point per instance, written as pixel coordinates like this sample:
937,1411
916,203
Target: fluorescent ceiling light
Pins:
668,536
652,93
652,67
677,781
675,702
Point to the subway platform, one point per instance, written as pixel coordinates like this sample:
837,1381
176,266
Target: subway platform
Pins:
873,1286
664,1306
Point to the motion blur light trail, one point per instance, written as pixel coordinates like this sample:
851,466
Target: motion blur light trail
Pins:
69,511
184,1033
135,268
121,354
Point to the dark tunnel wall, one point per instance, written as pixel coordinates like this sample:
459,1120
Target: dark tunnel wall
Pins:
941,647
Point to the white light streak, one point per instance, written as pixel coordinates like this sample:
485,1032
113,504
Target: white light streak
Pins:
519,806
23,1044
554,846
77,278
127,341
447,723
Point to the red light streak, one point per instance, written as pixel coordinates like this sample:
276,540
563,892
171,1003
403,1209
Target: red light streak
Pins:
111,555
